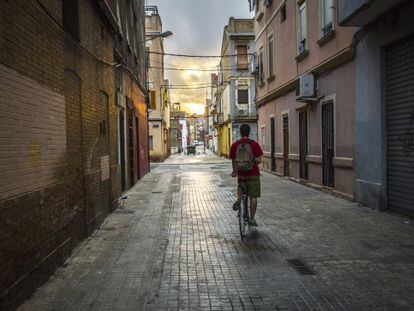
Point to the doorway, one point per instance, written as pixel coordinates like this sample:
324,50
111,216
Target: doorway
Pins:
303,143
328,144
122,146
399,77
273,143
286,146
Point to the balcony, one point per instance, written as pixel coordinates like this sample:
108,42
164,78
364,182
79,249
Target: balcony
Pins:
363,12
220,119
151,10
243,113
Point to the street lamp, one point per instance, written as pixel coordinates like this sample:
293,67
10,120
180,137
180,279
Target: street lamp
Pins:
152,36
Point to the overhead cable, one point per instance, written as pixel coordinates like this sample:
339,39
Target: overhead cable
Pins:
198,56
67,33
193,69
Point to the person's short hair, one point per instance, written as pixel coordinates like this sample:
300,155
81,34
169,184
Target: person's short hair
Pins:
245,130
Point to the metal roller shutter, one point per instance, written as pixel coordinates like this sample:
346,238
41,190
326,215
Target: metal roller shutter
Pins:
400,125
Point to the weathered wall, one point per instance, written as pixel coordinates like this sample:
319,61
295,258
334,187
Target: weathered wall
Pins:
370,123
157,153
59,171
339,85
286,67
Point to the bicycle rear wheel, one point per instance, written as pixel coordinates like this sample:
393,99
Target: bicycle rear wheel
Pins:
243,216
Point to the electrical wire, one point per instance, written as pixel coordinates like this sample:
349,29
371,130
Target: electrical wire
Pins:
173,67
192,69
197,56
189,88
171,87
195,87
76,41
196,84
66,32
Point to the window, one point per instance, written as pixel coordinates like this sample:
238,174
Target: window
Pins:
242,96
153,102
283,13
102,127
150,142
271,56
303,28
260,61
70,17
242,102
326,17
104,106
264,138
242,61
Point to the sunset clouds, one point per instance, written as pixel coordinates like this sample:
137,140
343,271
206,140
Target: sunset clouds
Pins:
197,26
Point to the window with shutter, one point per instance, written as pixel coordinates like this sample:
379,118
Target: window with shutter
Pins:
260,61
271,56
242,96
153,102
326,17
302,27
242,102
242,62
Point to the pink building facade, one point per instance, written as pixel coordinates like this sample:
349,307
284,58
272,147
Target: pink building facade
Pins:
306,93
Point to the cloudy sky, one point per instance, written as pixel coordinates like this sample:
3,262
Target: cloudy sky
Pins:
197,27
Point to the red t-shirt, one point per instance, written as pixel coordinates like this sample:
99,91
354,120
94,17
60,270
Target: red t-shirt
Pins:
257,152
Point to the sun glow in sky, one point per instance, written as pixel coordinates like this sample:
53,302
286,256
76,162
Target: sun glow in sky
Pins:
197,27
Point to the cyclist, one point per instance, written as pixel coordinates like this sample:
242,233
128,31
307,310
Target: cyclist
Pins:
246,154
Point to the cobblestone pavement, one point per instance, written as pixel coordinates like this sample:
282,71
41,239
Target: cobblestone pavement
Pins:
175,246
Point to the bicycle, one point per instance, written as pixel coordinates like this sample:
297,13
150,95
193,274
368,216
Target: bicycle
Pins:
244,209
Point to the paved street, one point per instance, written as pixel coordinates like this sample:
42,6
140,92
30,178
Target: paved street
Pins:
175,246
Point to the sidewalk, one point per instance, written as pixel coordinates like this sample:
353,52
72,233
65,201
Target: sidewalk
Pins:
176,247
203,156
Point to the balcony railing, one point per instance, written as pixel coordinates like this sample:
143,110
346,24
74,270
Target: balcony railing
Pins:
218,119
243,111
327,29
151,10
302,46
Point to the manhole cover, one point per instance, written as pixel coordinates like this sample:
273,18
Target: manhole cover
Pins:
301,267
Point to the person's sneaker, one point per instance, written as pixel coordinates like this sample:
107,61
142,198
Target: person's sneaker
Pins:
236,205
252,223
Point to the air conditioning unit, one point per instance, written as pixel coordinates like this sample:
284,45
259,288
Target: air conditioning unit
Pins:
242,113
306,88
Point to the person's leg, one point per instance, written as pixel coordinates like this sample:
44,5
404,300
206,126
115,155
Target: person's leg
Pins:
236,205
253,206
254,192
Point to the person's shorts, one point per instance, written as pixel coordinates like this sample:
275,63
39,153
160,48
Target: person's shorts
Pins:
253,186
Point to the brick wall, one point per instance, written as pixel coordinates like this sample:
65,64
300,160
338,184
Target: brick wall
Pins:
58,166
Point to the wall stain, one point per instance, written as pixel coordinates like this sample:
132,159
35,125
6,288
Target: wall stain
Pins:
34,153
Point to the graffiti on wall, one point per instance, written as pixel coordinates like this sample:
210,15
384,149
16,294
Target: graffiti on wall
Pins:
407,139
